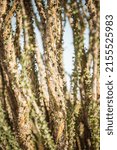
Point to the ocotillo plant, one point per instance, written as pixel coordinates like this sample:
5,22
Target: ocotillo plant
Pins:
37,109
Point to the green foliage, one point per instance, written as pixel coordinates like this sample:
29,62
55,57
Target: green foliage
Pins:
94,122
7,136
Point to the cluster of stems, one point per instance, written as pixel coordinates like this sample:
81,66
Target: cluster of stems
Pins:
37,109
